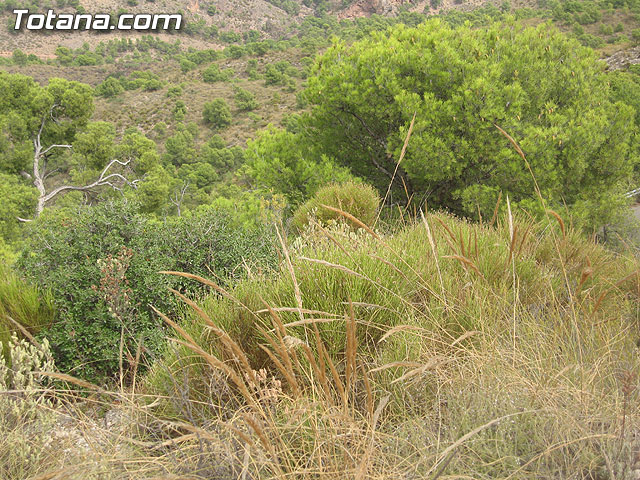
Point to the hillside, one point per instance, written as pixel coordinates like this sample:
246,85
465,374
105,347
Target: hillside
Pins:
380,356
271,19
322,239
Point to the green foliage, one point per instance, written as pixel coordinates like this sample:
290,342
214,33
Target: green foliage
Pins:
358,199
276,74
25,104
277,160
174,91
19,57
223,159
245,100
94,146
625,88
179,111
213,74
217,113
99,291
55,112
187,65
180,147
28,305
18,200
109,88
544,89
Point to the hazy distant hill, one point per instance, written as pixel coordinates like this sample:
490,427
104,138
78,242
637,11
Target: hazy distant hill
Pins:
271,18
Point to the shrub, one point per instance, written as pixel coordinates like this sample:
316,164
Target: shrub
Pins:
174,91
274,76
109,88
213,74
27,417
19,57
245,100
217,113
101,264
360,200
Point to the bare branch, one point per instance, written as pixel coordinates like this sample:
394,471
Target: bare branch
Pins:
50,173
178,201
103,180
113,180
54,146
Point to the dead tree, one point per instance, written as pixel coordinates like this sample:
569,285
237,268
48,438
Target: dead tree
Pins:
40,154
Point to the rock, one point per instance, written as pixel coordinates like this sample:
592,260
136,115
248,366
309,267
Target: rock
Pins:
622,59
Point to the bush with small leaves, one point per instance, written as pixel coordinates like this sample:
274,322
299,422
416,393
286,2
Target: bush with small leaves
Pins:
213,74
245,100
109,88
217,113
101,264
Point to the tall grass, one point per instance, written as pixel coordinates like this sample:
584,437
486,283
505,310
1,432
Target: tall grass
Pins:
446,350
27,305
449,349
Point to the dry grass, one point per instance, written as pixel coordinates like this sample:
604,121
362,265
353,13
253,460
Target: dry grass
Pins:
447,350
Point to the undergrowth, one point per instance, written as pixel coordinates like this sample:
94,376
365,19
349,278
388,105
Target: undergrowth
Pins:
446,350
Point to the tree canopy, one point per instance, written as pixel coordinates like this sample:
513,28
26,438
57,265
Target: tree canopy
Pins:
544,89
47,142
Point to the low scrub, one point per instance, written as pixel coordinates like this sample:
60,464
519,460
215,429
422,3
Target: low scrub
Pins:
102,263
359,200
448,348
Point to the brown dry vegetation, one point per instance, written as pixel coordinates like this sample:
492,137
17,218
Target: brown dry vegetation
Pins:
446,350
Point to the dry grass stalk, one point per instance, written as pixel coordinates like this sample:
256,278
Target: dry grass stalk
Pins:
395,171
350,217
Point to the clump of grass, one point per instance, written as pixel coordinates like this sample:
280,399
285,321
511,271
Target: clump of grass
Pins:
22,305
358,199
445,349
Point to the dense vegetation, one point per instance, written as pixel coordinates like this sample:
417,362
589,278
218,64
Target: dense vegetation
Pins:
336,248
463,85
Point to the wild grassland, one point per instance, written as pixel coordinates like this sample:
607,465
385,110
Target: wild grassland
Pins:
445,350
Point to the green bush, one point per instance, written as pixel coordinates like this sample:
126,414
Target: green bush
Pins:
245,100
109,88
213,74
101,264
358,199
217,113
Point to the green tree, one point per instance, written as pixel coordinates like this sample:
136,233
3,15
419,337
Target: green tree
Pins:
217,113
180,147
278,161
18,200
38,125
245,100
223,159
549,93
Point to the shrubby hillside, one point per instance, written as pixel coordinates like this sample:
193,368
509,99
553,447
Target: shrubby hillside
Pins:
322,240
